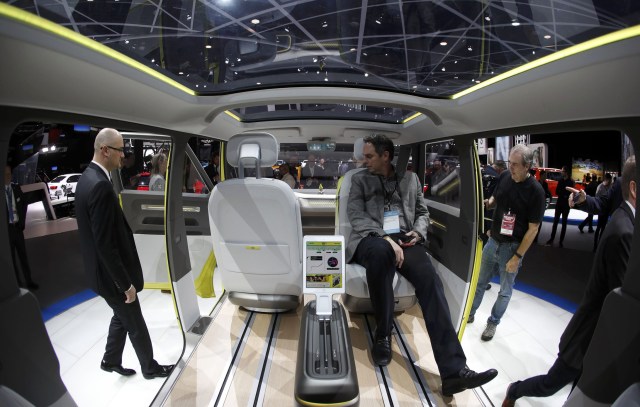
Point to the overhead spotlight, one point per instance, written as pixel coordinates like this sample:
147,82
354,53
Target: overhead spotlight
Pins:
255,21
547,37
487,18
208,46
515,22
443,43
366,74
180,73
470,49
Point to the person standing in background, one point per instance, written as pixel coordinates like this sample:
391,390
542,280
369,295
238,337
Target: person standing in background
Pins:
547,197
562,206
603,218
589,189
111,260
17,215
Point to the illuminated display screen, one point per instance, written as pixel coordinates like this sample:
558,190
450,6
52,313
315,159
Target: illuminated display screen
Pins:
323,264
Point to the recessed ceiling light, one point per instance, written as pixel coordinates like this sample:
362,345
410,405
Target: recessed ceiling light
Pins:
207,46
443,43
255,21
443,69
180,73
515,23
366,74
487,18
470,49
547,37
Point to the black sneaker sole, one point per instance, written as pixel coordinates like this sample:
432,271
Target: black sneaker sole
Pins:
458,385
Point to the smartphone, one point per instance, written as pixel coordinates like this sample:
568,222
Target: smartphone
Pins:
405,238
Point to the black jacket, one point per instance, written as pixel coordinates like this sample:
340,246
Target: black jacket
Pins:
21,206
109,251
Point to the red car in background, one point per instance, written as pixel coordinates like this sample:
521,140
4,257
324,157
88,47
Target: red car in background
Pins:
553,176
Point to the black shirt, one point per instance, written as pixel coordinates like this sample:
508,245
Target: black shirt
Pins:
524,199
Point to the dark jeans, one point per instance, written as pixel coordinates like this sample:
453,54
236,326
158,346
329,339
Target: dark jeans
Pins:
378,257
128,319
545,385
602,223
564,211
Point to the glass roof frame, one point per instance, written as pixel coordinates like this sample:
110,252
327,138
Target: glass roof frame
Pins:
213,47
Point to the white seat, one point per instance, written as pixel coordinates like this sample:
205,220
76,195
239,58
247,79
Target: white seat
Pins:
256,230
356,298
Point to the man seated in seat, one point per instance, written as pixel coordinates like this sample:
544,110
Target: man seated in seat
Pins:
389,219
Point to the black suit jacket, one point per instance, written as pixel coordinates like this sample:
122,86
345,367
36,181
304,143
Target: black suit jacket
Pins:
21,206
607,273
109,251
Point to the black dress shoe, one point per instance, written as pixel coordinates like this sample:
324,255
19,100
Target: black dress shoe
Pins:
381,352
117,368
161,371
466,379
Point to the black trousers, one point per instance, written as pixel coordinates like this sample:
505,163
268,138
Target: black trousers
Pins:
378,257
545,385
564,211
16,239
128,319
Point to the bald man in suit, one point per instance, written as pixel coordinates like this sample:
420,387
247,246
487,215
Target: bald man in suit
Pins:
111,260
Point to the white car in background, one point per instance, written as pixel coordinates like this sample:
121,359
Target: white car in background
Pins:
63,186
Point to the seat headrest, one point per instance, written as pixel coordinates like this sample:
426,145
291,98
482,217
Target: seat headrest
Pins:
252,148
357,149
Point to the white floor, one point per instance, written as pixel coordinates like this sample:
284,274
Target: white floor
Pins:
525,344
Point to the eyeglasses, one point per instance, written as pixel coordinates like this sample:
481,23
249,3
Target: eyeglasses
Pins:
120,150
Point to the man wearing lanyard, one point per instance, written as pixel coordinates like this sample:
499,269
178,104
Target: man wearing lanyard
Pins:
17,213
389,219
519,207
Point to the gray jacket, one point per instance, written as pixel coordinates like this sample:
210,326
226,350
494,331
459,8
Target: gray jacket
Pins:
365,208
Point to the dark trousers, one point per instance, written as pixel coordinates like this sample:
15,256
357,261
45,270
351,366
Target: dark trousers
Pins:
587,221
545,385
16,239
378,257
128,319
602,223
564,211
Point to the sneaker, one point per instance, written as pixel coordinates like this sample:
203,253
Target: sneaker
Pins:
466,379
471,319
489,331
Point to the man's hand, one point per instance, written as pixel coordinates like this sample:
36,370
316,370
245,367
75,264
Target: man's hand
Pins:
131,295
489,203
397,250
415,237
512,264
581,198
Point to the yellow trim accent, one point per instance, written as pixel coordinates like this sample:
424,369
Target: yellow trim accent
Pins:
233,116
221,171
253,248
475,275
576,49
477,260
413,116
32,20
312,404
438,224
158,286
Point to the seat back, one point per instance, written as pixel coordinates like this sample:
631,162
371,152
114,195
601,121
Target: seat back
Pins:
356,298
256,230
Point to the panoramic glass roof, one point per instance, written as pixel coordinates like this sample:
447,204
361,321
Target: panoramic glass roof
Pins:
429,48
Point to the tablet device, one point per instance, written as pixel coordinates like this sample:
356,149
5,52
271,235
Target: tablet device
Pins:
323,269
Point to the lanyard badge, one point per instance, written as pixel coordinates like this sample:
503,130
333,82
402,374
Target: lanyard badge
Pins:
508,224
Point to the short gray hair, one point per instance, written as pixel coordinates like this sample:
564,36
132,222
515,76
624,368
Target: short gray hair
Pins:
525,152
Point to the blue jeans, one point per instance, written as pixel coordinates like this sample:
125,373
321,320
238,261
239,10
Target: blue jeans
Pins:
494,262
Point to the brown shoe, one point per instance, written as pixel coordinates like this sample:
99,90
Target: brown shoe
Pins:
508,402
